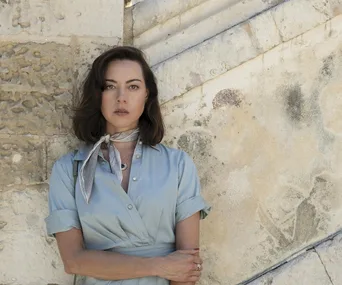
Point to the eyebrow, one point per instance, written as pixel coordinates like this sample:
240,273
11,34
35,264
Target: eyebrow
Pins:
129,81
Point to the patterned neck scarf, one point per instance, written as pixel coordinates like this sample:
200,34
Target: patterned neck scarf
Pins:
87,172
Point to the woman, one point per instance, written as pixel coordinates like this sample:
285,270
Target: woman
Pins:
132,216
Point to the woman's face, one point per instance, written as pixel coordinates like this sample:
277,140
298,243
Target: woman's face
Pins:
124,96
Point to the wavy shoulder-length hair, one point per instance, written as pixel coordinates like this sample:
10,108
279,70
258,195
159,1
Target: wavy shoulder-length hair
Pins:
88,122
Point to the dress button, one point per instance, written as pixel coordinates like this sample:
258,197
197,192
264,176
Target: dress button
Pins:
140,142
130,207
138,156
134,179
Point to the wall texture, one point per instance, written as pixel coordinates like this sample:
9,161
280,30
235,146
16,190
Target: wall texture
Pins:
250,89
257,105
45,48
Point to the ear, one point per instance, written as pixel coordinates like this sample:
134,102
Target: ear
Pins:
146,98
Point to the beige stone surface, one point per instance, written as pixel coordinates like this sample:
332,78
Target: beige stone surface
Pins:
267,154
36,66
85,52
128,26
316,12
330,253
211,18
221,53
320,265
150,13
35,113
58,65
22,160
62,18
307,269
59,146
28,255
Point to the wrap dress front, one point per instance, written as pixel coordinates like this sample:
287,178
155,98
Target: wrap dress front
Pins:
163,190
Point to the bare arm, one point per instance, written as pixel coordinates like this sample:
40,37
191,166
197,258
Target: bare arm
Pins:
115,266
100,264
187,237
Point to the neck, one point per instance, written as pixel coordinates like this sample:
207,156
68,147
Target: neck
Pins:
112,130
125,146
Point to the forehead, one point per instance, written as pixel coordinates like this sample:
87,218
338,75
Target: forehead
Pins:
123,69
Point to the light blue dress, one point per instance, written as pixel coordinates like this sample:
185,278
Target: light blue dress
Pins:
163,190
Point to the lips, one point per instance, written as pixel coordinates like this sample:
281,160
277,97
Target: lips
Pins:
121,112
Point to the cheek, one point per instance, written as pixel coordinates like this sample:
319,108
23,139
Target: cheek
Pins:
140,105
106,104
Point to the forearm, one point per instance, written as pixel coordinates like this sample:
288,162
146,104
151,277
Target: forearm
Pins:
187,237
111,265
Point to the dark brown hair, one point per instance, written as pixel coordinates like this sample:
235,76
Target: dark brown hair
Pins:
88,122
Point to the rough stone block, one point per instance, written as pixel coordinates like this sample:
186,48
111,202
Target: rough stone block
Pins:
35,113
31,257
22,160
57,147
36,66
62,18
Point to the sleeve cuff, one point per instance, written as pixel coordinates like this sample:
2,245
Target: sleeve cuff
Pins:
191,206
61,221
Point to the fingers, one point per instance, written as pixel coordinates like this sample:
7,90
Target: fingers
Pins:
196,274
193,278
197,259
196,267
189,265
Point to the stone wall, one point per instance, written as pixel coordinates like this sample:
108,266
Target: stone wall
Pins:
257,105
45,48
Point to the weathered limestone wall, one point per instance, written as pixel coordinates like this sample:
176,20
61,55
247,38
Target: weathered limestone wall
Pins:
320,264
258,107
45,48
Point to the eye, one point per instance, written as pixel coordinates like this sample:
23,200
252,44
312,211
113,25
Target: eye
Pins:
109,87
133,87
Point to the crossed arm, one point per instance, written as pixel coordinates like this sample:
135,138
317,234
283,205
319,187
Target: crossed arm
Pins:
180,266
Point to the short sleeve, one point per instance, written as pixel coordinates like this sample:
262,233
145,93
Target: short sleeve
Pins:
189,199
62,206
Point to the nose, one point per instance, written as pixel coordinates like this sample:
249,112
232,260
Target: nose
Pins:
121,96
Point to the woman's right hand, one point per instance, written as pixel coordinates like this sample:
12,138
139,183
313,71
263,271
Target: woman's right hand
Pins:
181,266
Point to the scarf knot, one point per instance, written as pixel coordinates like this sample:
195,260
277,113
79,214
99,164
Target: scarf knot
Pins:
87,171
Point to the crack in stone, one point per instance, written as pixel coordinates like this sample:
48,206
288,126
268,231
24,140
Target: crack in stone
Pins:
276,25
133,23
326,271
